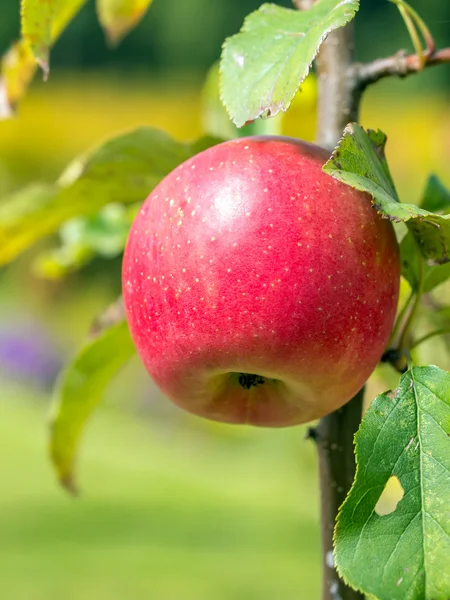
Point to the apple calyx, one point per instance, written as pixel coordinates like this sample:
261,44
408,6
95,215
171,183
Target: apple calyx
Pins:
249,380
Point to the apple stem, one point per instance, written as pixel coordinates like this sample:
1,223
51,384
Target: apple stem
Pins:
401,319
403,342
399,347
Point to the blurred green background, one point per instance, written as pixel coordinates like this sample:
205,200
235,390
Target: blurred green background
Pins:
172,506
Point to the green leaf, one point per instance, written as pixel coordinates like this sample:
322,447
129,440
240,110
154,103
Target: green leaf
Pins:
43,21
83,238
80,389
436,197
118,17
104,234
402,555
27,216
123,170
264,64
57,263
411,258
64,13
359,161
215,118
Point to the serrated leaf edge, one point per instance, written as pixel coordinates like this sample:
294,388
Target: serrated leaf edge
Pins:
391,394
350,130
268,112
420,213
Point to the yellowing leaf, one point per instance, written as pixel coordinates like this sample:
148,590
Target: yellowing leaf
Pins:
18,66
66,10
37,18
118,17
122,170
43,21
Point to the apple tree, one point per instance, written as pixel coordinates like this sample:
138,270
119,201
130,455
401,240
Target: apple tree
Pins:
261,276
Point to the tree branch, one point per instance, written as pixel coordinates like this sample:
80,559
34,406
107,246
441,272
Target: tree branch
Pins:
336,84
334,438
399,65
334,435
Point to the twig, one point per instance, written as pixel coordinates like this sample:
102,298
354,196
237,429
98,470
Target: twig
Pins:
428,336
398,65
403,341
411,26
400,319
418,23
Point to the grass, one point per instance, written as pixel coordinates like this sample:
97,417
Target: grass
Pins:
188,512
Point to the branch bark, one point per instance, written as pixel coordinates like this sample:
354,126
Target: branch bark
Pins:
334,439
336,85
338,105
398,65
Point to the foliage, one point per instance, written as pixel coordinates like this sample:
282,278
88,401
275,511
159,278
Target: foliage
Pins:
83,238
405,435
118,17
263,66
122,170
359,161
43,21
404,554
80,388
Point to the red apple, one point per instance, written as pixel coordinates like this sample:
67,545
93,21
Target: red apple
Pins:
258,289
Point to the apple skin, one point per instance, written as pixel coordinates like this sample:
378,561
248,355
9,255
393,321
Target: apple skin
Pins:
258,289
